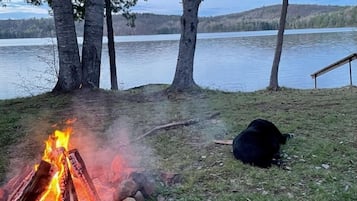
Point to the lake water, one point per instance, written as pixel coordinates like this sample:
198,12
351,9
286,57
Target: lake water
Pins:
238,61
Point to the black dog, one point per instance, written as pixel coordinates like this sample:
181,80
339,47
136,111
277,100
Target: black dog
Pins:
259,144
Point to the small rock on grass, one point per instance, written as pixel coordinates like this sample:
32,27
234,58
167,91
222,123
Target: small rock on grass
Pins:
127,188
139,196
146,186
325,166
170,178
129,199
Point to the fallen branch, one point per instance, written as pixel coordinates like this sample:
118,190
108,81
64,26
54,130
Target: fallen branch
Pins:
175,124
223,142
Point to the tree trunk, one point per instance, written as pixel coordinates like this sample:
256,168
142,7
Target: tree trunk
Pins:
279,46
183,79
111,46
92,43
70,73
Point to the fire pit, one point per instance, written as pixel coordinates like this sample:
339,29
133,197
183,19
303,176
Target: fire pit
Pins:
62,175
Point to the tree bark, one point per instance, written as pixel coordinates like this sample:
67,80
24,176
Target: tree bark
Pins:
70,73
111,46
274,85
183,79
92,43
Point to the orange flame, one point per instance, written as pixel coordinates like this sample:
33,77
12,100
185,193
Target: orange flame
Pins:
56,146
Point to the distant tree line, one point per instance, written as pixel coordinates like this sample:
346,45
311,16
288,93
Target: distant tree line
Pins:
29,28
342,18
300,16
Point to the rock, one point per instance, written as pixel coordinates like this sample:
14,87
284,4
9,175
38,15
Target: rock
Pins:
170,178
146,187
127,188
325,166
290,195
160,198
346,188
265,193
129,199
139,196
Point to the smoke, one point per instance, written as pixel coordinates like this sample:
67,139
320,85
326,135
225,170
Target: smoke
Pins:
99,138
109,156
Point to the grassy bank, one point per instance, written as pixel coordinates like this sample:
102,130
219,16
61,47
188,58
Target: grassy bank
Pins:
321,160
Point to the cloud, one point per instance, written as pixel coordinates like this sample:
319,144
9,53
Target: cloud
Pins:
169,7
221,7
19,7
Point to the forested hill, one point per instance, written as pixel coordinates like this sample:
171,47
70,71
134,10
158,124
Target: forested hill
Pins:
299,16
265,18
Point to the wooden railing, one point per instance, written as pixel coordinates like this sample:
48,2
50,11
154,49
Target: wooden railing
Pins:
335,65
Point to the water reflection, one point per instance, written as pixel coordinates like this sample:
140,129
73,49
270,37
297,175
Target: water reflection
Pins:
227,61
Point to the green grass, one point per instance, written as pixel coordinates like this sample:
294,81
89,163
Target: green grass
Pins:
324,123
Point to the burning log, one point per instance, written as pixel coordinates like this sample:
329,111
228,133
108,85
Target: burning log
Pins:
15,182
68,192
53,179
34,184
37,182
80,171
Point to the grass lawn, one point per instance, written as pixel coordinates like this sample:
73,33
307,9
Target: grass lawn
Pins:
321,160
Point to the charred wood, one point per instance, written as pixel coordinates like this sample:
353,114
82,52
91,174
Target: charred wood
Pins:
80,171
34,184
68,192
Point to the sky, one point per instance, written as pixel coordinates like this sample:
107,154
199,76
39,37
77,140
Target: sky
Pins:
18,9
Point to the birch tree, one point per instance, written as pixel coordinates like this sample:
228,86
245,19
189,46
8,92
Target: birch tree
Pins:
92,42
70,72
183,79
274,85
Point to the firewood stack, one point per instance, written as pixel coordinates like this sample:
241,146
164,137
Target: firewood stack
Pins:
31,184
62,175
34,184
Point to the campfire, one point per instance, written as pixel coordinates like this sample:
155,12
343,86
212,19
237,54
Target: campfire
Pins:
62,175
